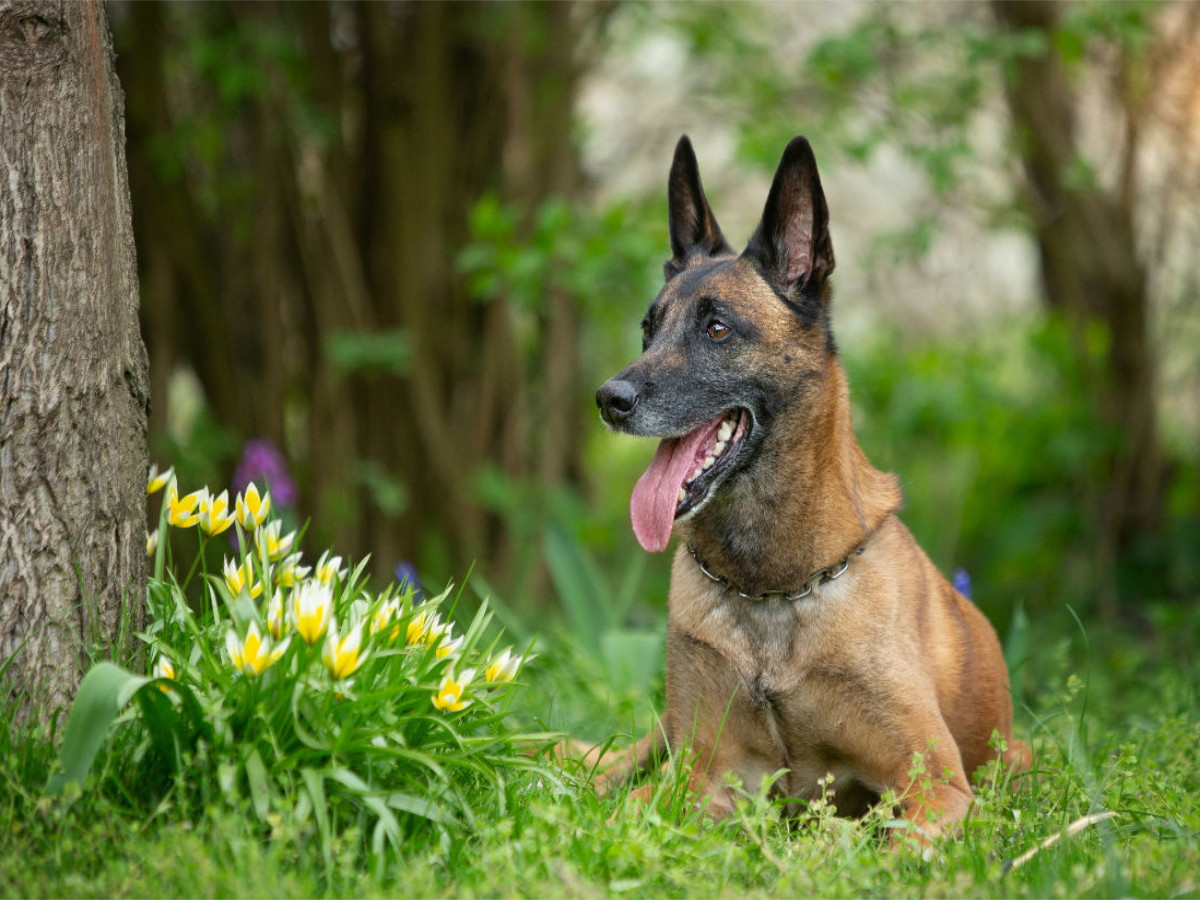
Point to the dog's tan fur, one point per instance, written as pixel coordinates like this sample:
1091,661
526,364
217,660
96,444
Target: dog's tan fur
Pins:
887,660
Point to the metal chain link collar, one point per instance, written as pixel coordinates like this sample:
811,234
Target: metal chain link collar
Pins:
821,576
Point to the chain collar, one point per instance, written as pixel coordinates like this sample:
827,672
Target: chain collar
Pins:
821,576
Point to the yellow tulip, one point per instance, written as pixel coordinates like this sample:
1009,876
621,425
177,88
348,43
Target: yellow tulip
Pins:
275,620
214,514
447,644
312,608
449,695
239,578
503,668
276,546
328,569
252,509
424,628
289,572
341,655
385,615
158,480
253,655
183,513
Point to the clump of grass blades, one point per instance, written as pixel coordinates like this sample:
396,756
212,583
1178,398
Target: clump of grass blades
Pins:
298,695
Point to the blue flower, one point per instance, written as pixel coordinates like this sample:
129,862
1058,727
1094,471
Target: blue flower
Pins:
962,582
406,573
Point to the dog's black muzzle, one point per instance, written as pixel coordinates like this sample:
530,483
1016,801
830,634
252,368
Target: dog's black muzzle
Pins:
617,399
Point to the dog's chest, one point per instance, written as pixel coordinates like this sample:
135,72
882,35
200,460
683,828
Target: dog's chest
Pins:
757,672
754,656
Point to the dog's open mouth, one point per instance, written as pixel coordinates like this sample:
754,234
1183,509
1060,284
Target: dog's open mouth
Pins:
683,473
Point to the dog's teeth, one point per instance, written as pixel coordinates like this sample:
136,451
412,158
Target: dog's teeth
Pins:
709,462
719,448
682,495
726,431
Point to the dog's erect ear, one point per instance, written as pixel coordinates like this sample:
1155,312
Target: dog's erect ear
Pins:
792,241
694,228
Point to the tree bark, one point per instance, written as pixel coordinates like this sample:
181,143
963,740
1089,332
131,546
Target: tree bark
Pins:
73,369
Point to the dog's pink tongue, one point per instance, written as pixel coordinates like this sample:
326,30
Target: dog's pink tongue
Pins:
652,507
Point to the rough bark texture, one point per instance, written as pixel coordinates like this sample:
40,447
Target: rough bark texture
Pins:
73,369
1091,271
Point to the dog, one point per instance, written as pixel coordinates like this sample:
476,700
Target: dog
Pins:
807,631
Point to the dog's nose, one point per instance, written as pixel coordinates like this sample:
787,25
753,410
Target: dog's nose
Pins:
616,400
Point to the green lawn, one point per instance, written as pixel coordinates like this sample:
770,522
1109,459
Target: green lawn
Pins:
1113,713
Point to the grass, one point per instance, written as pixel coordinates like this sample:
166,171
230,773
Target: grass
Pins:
1115,719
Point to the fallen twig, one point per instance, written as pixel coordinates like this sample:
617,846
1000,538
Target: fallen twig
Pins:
1070,831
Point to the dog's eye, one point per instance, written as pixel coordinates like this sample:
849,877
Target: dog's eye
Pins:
718,331
645,333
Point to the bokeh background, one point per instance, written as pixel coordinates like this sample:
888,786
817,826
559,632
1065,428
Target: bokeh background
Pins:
388,251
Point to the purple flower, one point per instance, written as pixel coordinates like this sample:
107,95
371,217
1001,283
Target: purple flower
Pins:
962,582
406,573
263,464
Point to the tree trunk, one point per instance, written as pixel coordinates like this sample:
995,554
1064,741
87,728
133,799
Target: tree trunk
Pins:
73,369
1091,273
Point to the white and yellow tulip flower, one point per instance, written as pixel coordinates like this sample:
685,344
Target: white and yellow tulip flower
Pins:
503,668
252,509
184,512
156,481
341,655
241,578
253,655
329,569
277,546
215,516
312,608
450,695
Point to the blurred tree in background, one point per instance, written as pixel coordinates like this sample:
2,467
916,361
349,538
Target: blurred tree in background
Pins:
303,176
372,233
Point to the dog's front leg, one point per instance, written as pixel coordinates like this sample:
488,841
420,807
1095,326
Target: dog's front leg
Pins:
935,793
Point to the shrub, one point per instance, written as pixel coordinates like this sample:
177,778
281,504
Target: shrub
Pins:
295,693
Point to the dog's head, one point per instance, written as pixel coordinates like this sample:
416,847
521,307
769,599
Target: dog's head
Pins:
729,343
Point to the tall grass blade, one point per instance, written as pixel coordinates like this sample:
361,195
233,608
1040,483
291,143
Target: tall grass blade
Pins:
580,586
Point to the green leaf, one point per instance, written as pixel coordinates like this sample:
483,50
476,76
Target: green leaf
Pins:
419,806
260,791
361,791
369,353
580,586
316,792
102,693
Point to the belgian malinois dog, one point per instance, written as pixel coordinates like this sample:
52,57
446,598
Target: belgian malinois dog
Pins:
807,631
